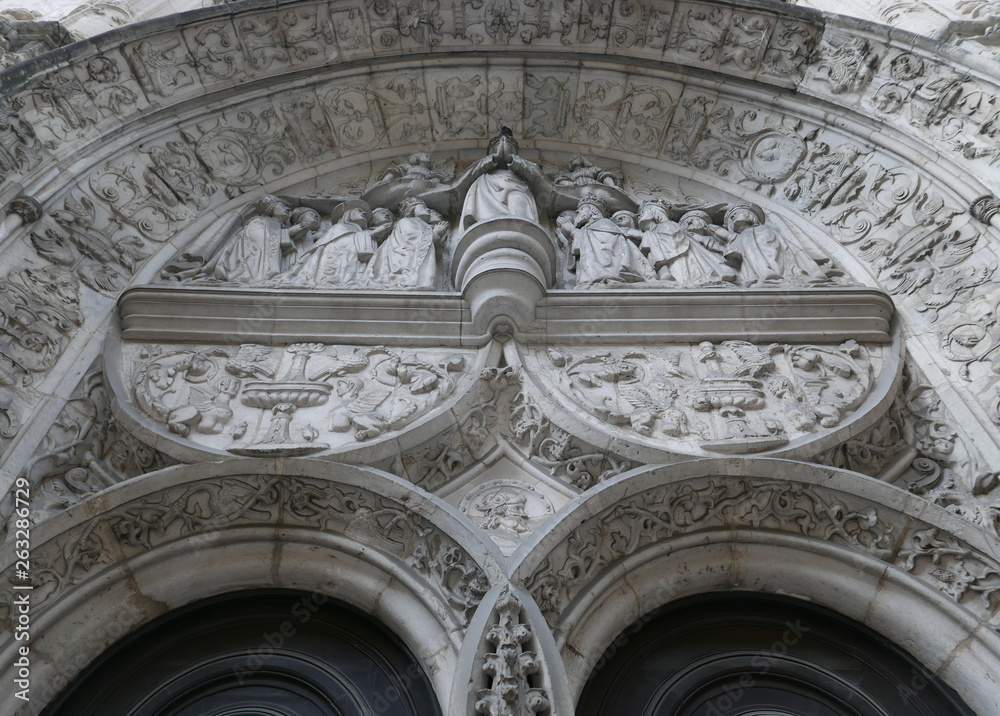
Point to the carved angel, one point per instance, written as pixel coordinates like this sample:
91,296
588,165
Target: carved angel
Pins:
391,396
421,168
581,171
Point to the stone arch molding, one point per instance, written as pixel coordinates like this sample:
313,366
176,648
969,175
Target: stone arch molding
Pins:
862,548
122,153
644,539
190,532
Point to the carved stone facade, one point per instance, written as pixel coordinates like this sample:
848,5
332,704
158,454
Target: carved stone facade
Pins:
591,309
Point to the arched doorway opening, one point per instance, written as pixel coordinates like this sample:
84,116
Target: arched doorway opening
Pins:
263,652
753,655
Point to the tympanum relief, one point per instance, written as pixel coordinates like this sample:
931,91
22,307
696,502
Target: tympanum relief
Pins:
432,226
298,399
726,397
403,230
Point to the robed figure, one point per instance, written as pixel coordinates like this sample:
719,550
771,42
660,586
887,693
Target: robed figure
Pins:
606,251
339,256
256,252
407,258
685,252
766,256
500,189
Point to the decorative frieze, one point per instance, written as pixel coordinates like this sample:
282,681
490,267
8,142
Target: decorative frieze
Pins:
85,452
212,505
730,397
663,513
501,409
300,399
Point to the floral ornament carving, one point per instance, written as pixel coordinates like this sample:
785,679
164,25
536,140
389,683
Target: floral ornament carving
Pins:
564,456
40,310
72,103
511,666
731,397
161,66
917,241
451,453
71,239
662,513
847,64
953,567
738,146
504,409
138,200
918,446
84,452
10,423
20,150
306,390
972,341
176,167
245,150
210,506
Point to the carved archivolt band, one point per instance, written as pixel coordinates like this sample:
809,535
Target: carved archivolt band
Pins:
193,512
260,524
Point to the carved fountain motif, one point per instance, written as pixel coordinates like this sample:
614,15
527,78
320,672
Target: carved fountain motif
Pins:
730,397
375,391
283,398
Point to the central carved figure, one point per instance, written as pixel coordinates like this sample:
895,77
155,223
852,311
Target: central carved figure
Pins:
501,185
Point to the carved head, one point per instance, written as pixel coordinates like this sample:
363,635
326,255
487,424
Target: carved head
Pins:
421,159
624,219
415,207
353,210
307,216
503,140
743,216
590,209
270,205
695,220
381,215
653,212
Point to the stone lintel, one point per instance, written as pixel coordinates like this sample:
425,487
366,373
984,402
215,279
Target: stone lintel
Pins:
170,314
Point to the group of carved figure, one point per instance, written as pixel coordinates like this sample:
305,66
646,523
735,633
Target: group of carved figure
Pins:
611,240
648,246
362,247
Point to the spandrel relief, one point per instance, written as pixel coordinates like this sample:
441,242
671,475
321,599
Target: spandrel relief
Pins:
299,399
731,397
418,215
